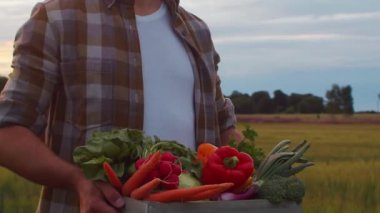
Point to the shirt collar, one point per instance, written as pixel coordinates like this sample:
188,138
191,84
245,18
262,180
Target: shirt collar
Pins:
173,4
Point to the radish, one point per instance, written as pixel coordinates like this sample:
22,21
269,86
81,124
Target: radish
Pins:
165,169
139,162
177,170
168,156
171,182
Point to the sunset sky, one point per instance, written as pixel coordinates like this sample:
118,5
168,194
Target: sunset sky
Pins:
297,46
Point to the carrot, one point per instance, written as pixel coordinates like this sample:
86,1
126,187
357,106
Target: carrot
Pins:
112,176
139,176
144,190
182,194
211,192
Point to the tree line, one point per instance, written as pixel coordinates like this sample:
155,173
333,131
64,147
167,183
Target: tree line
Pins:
338,100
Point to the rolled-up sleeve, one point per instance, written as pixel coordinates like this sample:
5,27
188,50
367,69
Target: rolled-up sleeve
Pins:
27,94
225,107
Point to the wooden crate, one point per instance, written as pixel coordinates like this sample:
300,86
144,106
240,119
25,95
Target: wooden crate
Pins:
257,205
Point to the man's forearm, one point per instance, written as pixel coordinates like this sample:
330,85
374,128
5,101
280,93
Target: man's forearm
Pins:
230,134
24,153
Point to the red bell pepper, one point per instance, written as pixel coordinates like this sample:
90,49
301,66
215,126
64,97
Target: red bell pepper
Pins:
227,164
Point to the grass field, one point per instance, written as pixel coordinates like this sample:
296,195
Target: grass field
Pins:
346,177
16,194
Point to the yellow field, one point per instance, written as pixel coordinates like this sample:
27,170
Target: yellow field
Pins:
346,177
16,194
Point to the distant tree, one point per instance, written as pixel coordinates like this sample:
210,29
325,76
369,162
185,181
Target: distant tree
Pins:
339,100
293,100
304,103
242,102
347,100
280,101
3,81
334,100
311,104
262,102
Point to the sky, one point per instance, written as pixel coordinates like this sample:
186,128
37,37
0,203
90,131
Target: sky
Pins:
296,46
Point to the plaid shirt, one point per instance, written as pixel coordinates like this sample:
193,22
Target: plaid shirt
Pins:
77,69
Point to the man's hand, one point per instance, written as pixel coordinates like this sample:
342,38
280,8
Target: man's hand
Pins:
99,197
229,134
18,145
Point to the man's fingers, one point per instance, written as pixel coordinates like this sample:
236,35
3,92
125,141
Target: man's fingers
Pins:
93,199
111,194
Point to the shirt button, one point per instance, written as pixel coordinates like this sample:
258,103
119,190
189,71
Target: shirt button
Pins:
131,27
136,98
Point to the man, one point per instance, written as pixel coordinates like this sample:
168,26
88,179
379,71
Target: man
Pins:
86,65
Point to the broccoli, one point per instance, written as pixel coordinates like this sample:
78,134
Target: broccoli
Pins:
295,189
279,189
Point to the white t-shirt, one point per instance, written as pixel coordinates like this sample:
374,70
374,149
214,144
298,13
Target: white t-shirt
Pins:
168,80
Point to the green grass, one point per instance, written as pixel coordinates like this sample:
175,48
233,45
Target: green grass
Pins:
318,117
345,178
16,194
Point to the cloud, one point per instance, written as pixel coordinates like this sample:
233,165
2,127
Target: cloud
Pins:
289,38
302,53
261,40
13,14
323,18
6,48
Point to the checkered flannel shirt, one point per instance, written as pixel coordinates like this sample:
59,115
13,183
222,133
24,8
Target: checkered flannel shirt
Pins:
77,69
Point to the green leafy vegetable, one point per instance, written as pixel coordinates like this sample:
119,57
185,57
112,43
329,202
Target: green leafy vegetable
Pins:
248,145
122,147
282,162
117,147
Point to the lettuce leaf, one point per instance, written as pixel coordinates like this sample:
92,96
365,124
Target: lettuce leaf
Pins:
122,147
117,147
